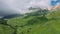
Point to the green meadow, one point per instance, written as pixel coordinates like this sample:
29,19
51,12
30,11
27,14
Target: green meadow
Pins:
50,24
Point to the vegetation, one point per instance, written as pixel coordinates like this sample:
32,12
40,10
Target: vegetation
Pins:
50,24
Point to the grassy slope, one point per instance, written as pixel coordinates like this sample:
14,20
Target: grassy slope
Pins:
5,29
36,25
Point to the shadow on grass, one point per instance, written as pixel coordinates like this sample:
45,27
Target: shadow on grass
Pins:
54,19
37,20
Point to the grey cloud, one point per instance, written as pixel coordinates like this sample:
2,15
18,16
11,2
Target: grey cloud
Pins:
13,6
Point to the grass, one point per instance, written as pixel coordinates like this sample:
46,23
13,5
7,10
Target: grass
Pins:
34,25
5,29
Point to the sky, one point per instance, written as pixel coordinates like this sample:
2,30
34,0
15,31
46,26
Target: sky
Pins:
18,5
23,4
54,2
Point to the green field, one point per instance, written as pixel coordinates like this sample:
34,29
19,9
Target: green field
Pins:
34,24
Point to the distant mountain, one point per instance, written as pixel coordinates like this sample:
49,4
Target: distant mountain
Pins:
12,16
37,12
33,8
37,25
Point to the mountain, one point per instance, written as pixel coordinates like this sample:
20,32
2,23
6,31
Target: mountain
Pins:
34,24
12,16
36,11
38,25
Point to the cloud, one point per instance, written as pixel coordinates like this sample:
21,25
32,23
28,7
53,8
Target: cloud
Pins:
41,3
23,4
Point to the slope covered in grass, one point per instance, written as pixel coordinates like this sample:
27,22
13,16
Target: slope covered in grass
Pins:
6,29
36,24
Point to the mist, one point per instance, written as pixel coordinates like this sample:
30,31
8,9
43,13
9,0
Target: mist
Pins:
21,6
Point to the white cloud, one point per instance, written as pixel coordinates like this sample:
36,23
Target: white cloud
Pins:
24,4
42,3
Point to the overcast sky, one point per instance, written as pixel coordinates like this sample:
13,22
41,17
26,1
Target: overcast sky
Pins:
24,4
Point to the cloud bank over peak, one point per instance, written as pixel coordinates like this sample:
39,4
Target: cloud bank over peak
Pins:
23,4
41,3
20,5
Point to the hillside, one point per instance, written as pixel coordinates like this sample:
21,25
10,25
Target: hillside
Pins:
34,24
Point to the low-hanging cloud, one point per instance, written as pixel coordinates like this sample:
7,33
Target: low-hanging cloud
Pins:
20,5
41,3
